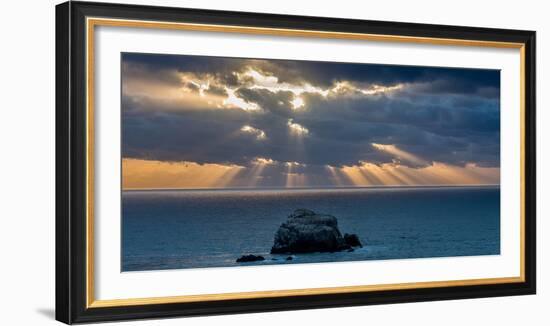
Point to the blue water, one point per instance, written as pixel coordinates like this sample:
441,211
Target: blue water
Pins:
211,228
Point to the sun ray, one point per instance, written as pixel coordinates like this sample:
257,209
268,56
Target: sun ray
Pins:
354,175
335,175
373,178
258,166
294,178
382,174
297,129
397,173
400,154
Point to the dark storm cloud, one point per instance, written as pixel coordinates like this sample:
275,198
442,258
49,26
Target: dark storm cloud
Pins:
277,103
326,73
432,79
439,114
162,64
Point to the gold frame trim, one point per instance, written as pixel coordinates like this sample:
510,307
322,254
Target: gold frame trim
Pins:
92,22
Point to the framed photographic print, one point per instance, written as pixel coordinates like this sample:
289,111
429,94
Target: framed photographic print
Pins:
215,162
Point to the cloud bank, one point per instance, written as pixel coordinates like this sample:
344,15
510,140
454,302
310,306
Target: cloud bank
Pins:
306,118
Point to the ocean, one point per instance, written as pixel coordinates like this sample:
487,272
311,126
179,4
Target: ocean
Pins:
176,229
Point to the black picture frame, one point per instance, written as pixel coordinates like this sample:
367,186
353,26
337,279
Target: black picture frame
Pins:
71,156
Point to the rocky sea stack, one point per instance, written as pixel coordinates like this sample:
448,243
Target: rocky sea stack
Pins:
306,231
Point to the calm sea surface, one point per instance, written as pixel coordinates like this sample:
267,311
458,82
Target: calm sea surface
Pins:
212,228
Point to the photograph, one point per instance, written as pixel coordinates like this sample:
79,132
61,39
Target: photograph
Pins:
236,162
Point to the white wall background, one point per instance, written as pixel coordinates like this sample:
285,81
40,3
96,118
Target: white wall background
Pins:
27,162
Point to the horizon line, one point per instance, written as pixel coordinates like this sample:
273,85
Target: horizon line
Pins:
317,188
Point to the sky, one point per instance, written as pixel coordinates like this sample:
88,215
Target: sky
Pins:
216,122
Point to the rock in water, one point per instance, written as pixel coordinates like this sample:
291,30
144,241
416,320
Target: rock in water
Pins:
249,258
352,240
306,231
